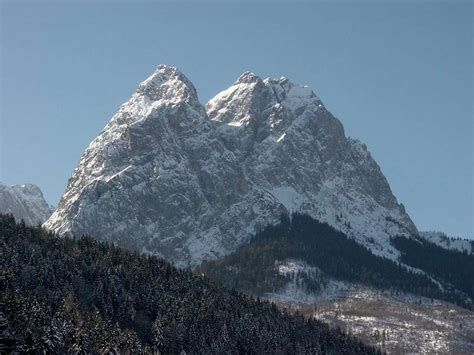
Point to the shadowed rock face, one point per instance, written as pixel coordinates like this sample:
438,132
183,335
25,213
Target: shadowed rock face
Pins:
25,202
169,177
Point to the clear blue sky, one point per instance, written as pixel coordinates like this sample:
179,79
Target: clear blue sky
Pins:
399,75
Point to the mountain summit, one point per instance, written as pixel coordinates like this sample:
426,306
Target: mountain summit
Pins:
171,177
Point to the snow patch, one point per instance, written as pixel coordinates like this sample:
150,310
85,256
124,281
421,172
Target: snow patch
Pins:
299,96
288,197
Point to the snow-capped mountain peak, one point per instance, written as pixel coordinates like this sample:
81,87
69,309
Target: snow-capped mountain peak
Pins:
248,77
168,84
168,178
267,107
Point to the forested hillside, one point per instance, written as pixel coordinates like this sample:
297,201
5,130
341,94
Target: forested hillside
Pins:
81,295
452,266
251,268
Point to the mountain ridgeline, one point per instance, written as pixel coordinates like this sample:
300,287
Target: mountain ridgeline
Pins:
62,295
252,268
25,202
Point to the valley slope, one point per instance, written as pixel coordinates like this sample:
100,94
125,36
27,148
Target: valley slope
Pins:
302,264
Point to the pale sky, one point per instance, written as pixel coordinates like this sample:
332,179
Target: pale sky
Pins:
399,75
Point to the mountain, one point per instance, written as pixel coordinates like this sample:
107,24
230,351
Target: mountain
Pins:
167,176
308,266
256,267
62,295
261,190
25,202
291,146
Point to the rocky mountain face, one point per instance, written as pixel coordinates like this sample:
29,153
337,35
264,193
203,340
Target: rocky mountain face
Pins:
25,202
171,177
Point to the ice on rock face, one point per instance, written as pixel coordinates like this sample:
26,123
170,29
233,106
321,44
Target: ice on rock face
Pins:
25,202
189,183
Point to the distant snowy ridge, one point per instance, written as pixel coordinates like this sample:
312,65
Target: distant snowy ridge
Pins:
25,202
442,240
170,177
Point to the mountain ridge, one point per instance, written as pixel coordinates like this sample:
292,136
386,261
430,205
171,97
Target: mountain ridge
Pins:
167,177
26,202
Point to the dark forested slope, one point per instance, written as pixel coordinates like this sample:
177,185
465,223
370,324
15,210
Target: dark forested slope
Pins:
451,266
67,295
251,268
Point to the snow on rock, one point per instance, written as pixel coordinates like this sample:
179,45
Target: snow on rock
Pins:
294,291
291,146
25,202
297,97
172,178
442,240
399,323
288,197
395,321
